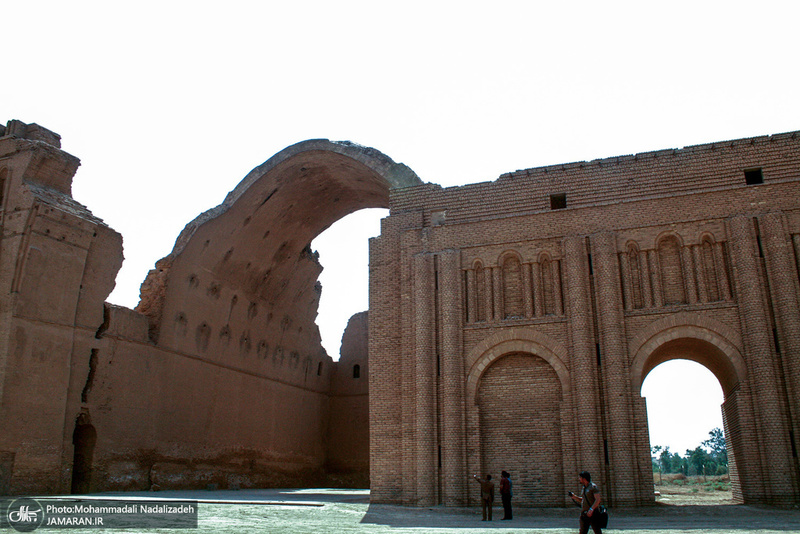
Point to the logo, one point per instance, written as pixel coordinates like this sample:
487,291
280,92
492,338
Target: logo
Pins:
25,515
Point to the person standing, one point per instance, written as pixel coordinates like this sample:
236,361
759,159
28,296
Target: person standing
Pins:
589,501
505,494
487,495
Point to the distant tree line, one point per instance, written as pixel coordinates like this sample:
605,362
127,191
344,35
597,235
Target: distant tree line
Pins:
709,458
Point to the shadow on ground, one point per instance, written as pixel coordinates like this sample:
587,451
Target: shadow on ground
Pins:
723,518
301,511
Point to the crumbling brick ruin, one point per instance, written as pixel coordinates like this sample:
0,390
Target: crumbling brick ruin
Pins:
511,325
218,377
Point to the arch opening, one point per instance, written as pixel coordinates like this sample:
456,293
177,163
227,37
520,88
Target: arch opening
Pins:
344,257
690,384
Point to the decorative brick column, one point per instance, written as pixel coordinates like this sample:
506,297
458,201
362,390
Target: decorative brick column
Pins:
722,271
488,298
405,355
655,278
623,469
558,290
471,293
647,282
452,380
497,292
702,289
773,443
424,290
627,281
583,364
687,262
782,273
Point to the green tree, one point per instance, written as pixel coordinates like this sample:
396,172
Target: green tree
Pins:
700,462
716,447
678,464
654,454
665,459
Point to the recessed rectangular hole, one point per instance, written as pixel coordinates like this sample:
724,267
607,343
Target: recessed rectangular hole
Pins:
753,176
558,201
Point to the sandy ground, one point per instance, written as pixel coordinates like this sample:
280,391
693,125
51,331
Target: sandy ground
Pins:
331,510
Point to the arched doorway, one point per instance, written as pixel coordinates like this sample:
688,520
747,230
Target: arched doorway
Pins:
83,440
684,419
519,406
715,352
684,402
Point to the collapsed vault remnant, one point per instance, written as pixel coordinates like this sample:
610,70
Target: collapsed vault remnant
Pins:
219,376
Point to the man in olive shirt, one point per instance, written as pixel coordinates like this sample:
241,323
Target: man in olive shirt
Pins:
589,501
487,495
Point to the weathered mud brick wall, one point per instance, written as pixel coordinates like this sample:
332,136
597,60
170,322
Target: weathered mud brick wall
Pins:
513,322
511,325
218,378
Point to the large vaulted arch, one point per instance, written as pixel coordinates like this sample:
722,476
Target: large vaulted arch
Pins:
251,253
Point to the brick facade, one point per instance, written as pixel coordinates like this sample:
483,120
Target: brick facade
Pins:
219,376
510,326
513,322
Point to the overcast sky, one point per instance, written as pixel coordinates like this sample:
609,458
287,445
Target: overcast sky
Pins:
170,104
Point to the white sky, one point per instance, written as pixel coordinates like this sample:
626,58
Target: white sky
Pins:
169,104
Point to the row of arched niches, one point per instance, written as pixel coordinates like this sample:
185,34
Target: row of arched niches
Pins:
671,273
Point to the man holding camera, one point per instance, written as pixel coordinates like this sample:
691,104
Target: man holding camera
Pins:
589,502
487,495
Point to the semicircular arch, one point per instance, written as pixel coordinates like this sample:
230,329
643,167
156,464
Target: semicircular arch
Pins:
255,245
523,339
691,337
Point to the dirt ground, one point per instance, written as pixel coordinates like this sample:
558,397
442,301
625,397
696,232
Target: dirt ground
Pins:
692,491
349,511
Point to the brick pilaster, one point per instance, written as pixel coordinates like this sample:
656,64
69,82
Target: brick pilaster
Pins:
623,469
782,274
452,380
773,444
426,442
582,364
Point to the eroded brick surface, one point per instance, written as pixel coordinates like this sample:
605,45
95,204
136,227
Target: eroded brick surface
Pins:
510,326
571,283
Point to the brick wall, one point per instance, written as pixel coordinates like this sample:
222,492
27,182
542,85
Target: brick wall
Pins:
563,310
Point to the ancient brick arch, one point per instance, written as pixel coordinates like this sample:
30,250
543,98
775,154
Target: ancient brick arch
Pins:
713,345
219,376
690,337
655,256
518,400
519,407
255,245
522,340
